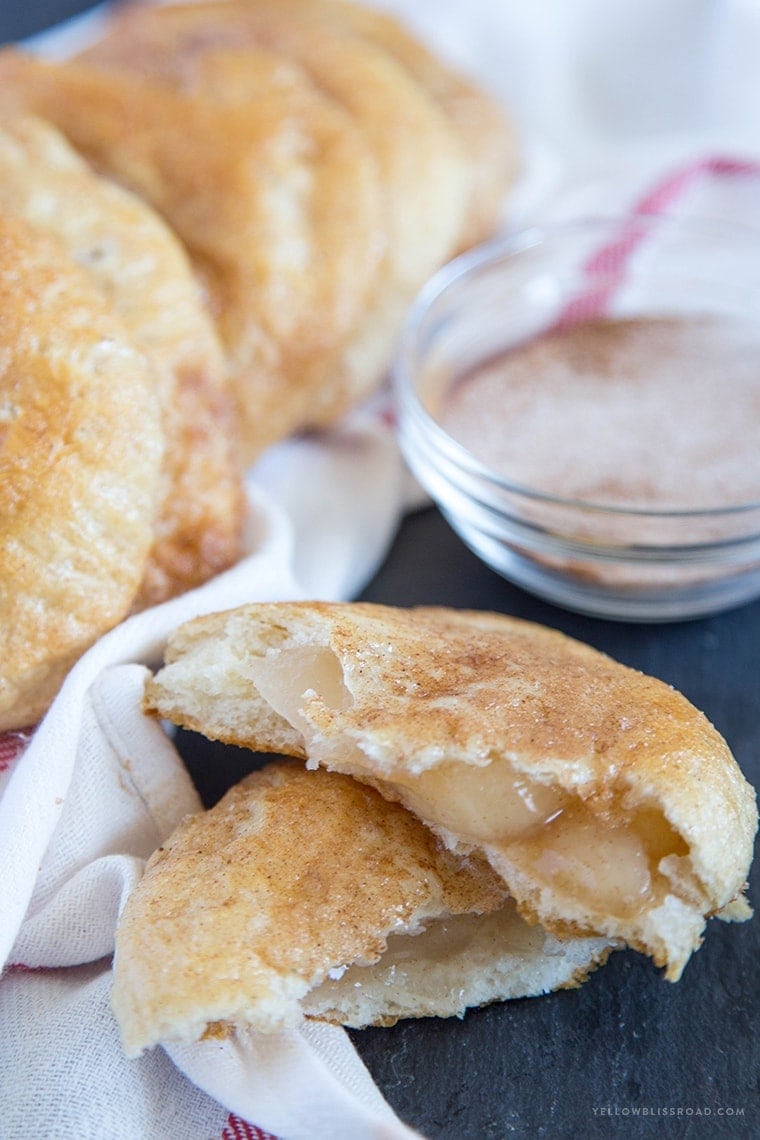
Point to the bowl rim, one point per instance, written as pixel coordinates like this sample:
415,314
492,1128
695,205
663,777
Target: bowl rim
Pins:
490,253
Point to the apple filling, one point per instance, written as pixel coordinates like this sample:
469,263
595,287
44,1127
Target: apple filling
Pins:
285,676
454,963
595,855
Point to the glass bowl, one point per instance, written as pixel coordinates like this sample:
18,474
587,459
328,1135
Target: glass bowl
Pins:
688,547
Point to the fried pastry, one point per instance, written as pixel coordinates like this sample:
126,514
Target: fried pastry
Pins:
81,452
422,169
276,199
159,42
342,165
144,276
308,894
486,132
608,804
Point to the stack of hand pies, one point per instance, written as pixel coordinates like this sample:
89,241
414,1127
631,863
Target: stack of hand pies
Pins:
213,222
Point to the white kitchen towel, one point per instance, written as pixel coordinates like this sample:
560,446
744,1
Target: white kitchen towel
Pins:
628,107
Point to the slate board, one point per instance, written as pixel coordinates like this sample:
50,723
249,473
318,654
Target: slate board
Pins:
627,1054
19,18
588,1062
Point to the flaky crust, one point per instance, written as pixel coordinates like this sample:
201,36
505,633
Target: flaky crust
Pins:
81,448
144,41
276,198
422,170
482,126
445,709
144,276
248,906
342,165
257,908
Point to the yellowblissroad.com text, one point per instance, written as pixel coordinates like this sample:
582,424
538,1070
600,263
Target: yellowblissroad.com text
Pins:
666,1110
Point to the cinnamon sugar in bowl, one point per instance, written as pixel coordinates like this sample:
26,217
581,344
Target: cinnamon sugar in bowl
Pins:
583,403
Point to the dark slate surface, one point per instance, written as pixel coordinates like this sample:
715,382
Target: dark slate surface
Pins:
627,1054
588,1062
19,18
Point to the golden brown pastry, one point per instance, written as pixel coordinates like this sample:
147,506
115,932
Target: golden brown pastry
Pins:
159,43
484,129
609,805
81,451
276,199
308,894
144,276
422,165
343,164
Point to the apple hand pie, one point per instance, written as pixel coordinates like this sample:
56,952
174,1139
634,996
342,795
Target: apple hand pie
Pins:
606,802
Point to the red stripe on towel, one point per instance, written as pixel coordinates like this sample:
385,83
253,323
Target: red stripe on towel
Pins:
12,744
237,1129
672,188
612,260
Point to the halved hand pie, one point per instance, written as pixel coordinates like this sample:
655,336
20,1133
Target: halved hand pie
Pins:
606,802
308,894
